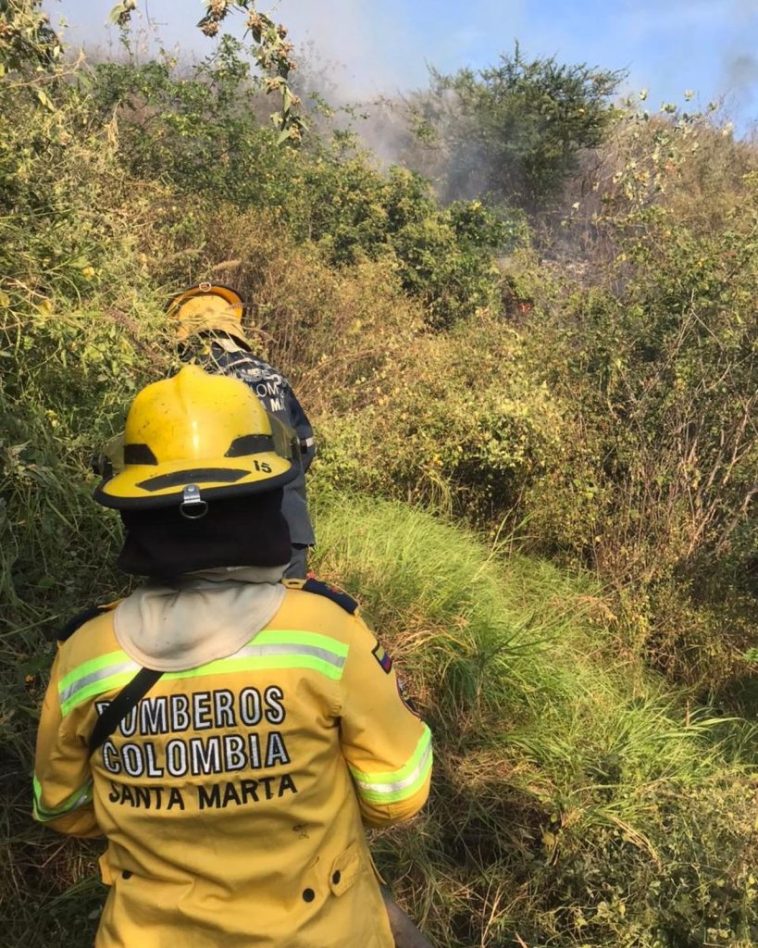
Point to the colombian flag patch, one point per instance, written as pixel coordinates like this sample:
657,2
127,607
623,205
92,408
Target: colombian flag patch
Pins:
383,658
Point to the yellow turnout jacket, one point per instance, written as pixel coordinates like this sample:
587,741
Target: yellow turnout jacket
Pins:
233,796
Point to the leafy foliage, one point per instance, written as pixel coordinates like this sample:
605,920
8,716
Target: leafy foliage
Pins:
271,51
202,134
28,43
659,357
514,132
462,427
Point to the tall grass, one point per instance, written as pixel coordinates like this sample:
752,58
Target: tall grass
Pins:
575,798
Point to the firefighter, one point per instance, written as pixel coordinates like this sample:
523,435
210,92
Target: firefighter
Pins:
226,731
208,323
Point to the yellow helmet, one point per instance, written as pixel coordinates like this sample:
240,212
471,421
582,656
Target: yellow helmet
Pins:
208,306
192,438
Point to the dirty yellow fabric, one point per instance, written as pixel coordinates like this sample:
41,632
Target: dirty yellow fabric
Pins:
233,796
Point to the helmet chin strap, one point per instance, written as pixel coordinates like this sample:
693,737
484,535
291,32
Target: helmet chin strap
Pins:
192,507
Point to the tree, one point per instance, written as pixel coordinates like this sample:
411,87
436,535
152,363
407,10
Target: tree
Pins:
513,133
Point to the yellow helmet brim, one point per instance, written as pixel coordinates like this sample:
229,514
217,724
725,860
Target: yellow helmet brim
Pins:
150,485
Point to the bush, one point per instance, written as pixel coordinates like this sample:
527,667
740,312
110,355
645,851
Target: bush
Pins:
655,352
456,422
514,132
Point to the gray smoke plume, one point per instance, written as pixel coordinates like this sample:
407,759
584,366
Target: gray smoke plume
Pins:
741,75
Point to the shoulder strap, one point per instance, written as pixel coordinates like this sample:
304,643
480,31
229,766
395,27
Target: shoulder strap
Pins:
320,588
83,617
121,705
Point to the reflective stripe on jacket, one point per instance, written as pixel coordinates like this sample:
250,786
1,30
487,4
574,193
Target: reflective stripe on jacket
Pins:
233,796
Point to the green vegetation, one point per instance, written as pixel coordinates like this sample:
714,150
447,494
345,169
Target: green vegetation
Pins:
202,133
537,469
513,132
574,802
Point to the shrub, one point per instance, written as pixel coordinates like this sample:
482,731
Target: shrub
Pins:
457,421
514,132
658,358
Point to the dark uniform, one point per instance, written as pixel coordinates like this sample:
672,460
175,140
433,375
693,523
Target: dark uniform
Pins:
223,355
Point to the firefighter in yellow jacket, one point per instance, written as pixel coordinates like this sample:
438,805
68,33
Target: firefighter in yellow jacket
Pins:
227,732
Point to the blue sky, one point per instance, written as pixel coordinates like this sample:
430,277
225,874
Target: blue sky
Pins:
384,46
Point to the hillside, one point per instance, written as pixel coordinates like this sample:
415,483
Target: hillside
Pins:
537,470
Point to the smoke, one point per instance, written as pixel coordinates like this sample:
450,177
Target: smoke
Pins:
383,48
742,70
369,47
741,80
370,59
